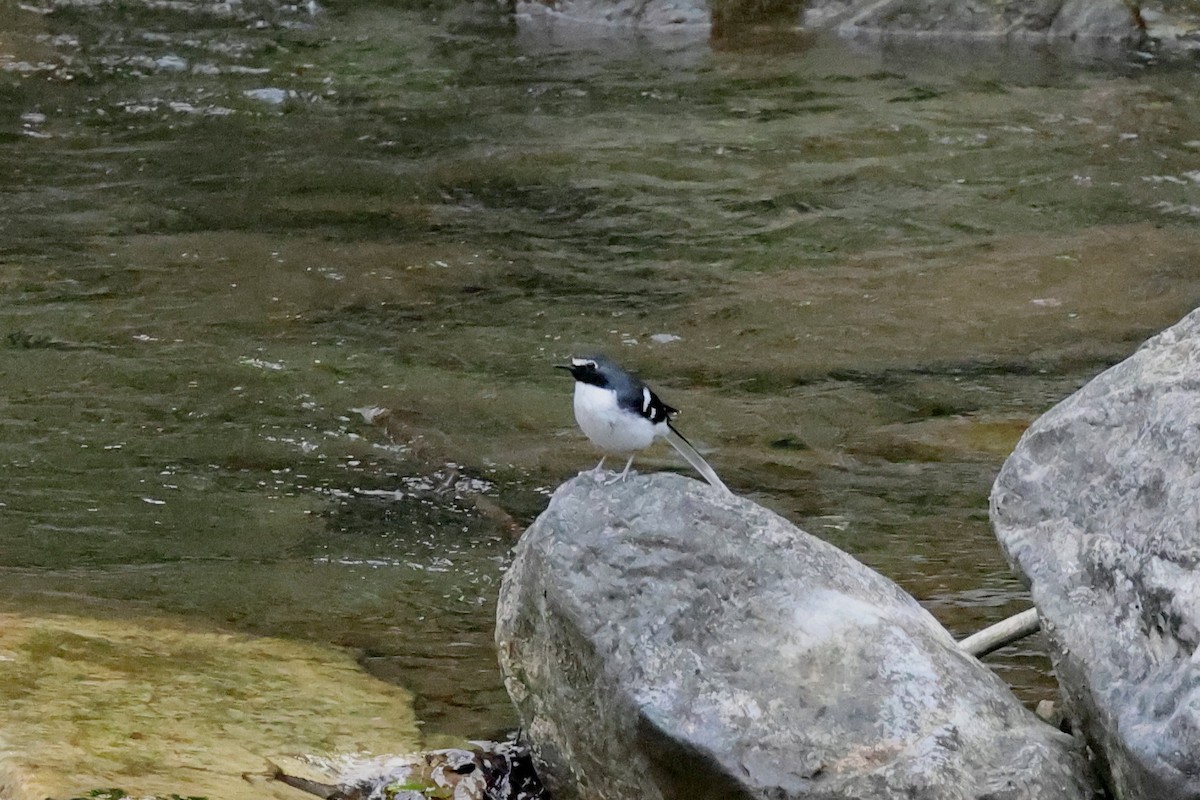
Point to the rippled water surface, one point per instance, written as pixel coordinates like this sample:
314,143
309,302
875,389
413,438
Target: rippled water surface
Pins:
281,291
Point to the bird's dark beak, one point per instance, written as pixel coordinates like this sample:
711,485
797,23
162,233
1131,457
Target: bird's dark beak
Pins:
567,367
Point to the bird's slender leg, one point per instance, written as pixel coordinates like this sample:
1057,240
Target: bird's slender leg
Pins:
628,464
598,470
624,473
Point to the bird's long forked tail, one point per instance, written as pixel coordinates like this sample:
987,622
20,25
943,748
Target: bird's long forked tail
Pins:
695,459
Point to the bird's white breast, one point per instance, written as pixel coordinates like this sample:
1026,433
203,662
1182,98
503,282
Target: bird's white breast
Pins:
610,428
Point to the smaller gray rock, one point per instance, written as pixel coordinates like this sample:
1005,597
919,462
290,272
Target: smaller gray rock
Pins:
1098,508
1086,19
663,642
270,95
1090,19
1174,24
644,15
171,63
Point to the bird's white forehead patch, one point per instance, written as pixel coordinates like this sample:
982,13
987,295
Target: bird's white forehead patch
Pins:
582,362
645,400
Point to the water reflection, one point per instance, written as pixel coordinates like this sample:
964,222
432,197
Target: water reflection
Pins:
859,271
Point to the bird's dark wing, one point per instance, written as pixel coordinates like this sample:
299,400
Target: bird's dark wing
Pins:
640,399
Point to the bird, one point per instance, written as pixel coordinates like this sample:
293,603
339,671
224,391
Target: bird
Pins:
621,414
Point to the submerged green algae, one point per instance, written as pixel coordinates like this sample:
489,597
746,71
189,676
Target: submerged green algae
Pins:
153,706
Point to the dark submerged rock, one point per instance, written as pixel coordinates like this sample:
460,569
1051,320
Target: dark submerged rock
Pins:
662,641
1098,508
485,771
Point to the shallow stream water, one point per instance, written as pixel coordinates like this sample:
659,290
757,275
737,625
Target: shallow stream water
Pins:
282,287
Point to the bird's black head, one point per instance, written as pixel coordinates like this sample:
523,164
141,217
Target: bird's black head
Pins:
588,369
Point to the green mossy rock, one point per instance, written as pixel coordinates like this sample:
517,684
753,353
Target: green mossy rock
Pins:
156,708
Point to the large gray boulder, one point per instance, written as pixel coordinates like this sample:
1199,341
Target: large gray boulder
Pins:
1098,508
663,642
